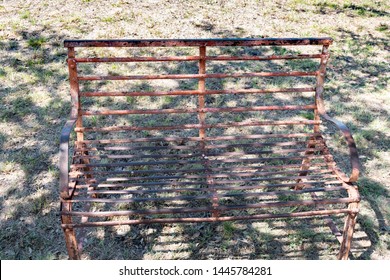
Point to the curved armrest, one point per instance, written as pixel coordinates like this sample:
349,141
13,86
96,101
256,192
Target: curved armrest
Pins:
64,158
352,149
344,129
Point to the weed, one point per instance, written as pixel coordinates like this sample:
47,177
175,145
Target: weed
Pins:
287,197
382,27
168,99
93,120
366,222
370,188
7,166
39,204
308,115
108,19
363,116
25,14
131,100
37,42
237,118
228,229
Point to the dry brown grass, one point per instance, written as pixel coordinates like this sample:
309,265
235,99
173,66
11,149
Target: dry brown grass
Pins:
34,104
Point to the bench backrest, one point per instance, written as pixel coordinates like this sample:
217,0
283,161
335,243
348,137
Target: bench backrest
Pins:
196,89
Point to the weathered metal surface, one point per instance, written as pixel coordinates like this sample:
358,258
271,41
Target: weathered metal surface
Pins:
354,157
198,110
197,170
64,158
192,58
199,42
197,76
212,219
175,127
196,92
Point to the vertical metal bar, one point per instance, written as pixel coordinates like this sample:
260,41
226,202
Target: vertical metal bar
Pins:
202,130
319,89
76,112
320,79
70,235
202,89
75,92
316,118
349,228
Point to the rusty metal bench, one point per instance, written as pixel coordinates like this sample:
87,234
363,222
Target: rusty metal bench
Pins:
203,130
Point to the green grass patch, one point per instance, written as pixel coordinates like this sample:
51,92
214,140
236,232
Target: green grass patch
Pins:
228,229
21,106
108,19
7,166
37,42
382,27
131,100
363,116
25,14
307,115
371,188
3,73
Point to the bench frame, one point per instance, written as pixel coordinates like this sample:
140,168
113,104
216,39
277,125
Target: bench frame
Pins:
75,122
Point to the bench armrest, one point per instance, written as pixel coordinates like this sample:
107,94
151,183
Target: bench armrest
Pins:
64,158
354,158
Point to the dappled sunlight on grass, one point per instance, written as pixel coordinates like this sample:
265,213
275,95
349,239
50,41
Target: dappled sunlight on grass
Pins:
35,103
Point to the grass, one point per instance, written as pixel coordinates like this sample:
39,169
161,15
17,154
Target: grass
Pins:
35,103
382,27
228,230
36,43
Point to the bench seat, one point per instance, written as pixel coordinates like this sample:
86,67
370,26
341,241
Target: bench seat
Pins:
136,181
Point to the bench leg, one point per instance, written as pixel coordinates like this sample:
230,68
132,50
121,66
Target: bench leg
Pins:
71,244
349,228
70,235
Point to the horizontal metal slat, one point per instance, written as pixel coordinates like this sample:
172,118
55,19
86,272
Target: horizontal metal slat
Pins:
197,126
210,161
194,147
214,185
203,219
213,42
203,175
208,110
199,154
219,196
196,92
190,58
198,76
75,174
197,139
135,59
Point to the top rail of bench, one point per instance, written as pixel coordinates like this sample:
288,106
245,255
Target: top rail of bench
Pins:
198,42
